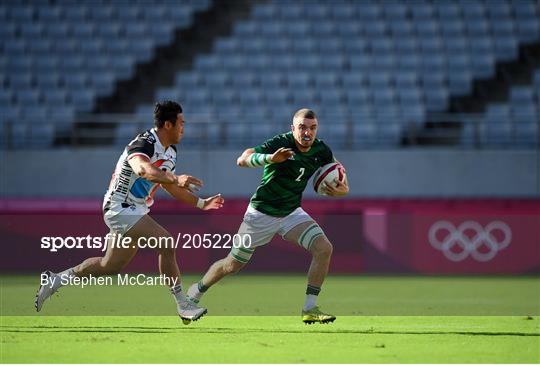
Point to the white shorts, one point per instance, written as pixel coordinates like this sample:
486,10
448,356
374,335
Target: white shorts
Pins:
261,228
121,217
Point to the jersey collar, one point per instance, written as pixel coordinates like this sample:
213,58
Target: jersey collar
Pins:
158,142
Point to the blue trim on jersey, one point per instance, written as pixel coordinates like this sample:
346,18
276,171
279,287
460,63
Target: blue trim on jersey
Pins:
141,188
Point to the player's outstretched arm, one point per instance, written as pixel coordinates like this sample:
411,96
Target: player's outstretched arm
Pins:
251,158
183,195
142,167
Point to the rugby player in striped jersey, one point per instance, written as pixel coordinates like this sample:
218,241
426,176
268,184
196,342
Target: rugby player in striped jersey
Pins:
146,163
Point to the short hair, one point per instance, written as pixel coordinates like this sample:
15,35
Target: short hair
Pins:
166,111
304,114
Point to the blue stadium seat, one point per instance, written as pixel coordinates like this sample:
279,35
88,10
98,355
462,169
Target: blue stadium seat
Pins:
167,94
245,28
125,131
365,133
357,96
394,11
49,14
528,30
76,13
482,66
21,81
408,62
271,80
350,30
305,99
28,96
234,63
6,99
72,65
187,81
251,45
66,48
226,46
102,83
279,96
338,135
224,98
40,47
8,114
299,80
122,66
460,83
99,65
56,97
21,14
410,96
197,99
473,10
46,64
244,80
383,97
352,80
264,12
436,99
83,31
216,80
250,97
31,30
271,30
330,98
343,12
82,99
502,28
324,28
527,133
498,11
15,47
103,13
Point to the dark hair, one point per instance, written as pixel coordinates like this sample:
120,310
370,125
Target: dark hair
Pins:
166,111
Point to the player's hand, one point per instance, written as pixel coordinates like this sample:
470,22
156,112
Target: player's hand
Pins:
283,154
340,189
214,202
189,182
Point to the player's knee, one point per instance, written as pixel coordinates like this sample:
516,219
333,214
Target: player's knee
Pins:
167,251
167,247
109,267
322,248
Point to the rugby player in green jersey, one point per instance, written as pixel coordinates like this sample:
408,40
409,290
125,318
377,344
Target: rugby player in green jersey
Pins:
289,160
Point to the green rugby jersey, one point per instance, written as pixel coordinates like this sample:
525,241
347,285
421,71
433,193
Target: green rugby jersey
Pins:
282,184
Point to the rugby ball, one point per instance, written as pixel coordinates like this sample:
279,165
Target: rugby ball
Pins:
328,173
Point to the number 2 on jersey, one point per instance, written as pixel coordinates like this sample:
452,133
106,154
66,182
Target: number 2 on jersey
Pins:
302,170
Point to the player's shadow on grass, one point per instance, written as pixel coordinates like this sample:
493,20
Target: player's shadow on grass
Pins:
228,330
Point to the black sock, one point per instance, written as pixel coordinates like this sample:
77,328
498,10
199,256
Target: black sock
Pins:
202,288
313,290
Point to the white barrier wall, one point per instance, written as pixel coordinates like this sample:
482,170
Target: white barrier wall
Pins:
397,173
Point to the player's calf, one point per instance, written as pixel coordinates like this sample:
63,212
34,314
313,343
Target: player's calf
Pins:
227,266
322,248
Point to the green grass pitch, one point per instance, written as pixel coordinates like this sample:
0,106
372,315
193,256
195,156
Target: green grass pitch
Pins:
255,319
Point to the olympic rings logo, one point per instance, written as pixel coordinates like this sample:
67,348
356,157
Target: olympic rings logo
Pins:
459,243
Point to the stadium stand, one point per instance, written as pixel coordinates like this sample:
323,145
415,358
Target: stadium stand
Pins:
373,70
58,57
